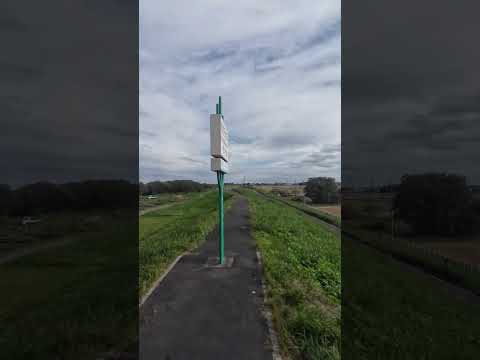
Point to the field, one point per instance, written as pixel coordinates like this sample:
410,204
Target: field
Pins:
302,269
166,233
335,210
15,236
367,217
65,300
465,250
403,313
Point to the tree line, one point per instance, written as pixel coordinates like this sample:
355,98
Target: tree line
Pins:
44,197
174,186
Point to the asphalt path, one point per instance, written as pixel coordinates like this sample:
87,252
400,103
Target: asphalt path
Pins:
199,312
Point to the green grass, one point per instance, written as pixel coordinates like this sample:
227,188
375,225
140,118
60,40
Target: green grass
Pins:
322,215
73,301
166,233
393,312
302,270
162,199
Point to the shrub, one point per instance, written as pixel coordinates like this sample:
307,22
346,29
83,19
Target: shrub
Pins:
322,190
439,204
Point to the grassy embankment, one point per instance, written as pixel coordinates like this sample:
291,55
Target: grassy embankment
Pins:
390,311
311,210
302,270
166,233
72,301
162,199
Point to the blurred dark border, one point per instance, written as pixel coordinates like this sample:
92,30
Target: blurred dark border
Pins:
69,184
410,180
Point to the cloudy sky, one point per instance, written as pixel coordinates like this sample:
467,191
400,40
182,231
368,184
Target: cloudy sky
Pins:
411,89
68,91
276,65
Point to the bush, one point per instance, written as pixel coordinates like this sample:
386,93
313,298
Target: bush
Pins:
322,190
437,204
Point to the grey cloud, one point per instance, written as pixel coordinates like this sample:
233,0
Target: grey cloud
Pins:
323,35
287,139
214,55
242,140
331,148
410,88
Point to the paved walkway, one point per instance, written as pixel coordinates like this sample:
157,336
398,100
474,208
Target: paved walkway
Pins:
201,313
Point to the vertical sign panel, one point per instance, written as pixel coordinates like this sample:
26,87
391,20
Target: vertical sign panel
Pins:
218,137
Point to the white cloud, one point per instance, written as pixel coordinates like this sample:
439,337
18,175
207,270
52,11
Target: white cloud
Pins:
277,67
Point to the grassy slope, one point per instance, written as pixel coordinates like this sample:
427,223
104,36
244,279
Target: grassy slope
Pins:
67,301
302,269
392,312
162,199
322,215
166,233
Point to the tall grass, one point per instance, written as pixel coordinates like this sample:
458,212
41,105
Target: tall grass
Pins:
302,270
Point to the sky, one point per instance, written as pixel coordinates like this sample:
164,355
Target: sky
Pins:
68,91
276,65
411,90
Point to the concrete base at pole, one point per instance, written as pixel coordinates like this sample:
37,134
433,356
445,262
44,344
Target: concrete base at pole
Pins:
213,262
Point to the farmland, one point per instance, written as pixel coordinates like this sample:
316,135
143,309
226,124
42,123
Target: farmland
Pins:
166,233
52,227
302,269
64,300
335,210
368,217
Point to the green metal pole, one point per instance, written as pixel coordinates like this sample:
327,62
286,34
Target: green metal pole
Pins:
221,238
220,180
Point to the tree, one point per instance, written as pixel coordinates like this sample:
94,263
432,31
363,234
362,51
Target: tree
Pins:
5,199
439,204
322,190
175,186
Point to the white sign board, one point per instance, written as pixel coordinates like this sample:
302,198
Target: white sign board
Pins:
218,164
218,137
